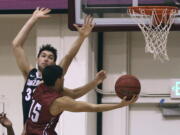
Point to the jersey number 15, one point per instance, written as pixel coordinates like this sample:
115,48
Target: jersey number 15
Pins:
34,111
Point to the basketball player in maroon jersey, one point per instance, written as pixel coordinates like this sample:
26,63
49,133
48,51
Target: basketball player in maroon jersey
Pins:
5,122
49,101
46,56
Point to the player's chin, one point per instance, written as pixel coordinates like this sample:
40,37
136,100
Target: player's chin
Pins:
42,66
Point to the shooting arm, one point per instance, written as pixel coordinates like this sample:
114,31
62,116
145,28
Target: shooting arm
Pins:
68,104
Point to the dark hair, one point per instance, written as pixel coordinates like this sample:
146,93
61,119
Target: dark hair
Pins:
51,73
48,47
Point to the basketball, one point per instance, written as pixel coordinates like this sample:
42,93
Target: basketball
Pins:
127,85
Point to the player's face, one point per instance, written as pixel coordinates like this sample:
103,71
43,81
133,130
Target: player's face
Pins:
45,58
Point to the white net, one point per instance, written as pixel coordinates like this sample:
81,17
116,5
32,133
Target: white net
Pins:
155,29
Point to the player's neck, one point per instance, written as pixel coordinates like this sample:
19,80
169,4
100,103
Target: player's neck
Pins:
39,73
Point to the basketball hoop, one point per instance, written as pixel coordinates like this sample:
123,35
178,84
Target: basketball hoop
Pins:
155,23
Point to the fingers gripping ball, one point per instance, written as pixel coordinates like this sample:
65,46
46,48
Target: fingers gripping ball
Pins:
127,85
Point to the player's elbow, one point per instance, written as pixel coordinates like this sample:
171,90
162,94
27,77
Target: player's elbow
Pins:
16,47
15,44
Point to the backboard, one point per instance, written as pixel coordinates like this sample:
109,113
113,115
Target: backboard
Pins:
111,15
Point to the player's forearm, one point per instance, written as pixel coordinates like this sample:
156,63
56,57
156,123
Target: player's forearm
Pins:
24,32
76,46
10,130
107,107
66,61
84,89
68,104
88,107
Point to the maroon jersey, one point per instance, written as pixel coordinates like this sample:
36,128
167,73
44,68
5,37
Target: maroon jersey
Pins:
40,121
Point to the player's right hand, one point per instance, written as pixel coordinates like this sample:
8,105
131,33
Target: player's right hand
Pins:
41,13
126,102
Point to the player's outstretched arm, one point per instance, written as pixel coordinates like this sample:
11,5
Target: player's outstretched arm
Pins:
68,104
78,92
21,37
84,32
6,123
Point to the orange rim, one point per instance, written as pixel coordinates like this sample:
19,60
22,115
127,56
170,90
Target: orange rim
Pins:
148,9
156,11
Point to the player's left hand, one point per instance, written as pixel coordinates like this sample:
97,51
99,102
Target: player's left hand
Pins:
86,28
100,76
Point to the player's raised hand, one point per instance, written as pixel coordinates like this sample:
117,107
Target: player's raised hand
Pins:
86,28
100,76
41,13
